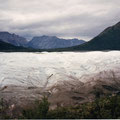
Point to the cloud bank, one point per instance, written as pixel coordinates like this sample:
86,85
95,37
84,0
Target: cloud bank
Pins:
82,19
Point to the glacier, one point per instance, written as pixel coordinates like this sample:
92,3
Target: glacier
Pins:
46,69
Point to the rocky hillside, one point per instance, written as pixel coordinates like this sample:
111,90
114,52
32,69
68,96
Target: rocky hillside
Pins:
109,39
8,47
13,39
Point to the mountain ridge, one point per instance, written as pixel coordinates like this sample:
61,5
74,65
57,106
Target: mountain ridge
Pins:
51,42
109,39
13,39
9,47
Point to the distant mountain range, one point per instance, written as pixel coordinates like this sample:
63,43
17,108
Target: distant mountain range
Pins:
51,42
109,39
42,42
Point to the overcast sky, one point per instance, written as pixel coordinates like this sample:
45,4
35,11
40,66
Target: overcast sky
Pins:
82,19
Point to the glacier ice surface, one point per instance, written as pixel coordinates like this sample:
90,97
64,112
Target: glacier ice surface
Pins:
46,69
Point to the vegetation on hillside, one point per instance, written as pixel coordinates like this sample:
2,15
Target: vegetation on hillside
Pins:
106,107
102,108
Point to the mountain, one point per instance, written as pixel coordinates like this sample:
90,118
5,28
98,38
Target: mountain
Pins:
109,39
51,42
9,47
13,39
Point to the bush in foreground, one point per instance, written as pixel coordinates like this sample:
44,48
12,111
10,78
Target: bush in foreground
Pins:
101,108
39,111
107,107
3,109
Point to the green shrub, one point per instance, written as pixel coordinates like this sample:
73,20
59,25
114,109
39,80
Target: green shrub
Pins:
3,109
101,108
39,111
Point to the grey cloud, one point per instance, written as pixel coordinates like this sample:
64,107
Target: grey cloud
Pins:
70,18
